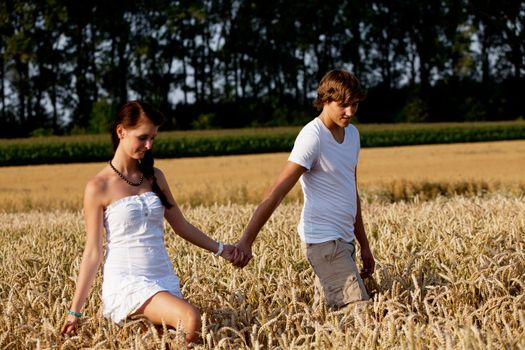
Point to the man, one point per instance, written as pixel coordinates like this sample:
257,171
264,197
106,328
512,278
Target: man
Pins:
324,158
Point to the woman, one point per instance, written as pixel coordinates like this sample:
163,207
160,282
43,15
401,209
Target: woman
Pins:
130,198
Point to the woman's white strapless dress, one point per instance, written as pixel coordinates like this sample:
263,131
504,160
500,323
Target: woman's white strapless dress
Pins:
137,265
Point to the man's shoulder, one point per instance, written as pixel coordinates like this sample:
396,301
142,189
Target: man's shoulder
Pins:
310,133
352,129
312,127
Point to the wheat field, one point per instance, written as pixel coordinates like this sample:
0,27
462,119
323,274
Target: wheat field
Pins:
450,275
450,264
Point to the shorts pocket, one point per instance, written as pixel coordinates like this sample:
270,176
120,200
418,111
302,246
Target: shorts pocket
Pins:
338,275
319,254
333,290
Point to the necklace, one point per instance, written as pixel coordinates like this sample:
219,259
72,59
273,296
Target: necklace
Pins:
125,178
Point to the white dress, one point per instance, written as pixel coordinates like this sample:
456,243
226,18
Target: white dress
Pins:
137,265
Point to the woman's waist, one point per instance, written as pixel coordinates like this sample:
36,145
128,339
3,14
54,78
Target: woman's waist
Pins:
135,242
130,253
137,264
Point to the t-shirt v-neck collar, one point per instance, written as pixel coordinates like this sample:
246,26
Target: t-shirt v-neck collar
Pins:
332,137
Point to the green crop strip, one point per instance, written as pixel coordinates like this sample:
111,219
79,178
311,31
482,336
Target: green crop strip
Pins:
174,144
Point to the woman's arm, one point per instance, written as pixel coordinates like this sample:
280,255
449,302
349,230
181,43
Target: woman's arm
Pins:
182,227
93,254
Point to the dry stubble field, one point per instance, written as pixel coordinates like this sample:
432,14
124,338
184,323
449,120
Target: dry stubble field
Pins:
450,274
390,173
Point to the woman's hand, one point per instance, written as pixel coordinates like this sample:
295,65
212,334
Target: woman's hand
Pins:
70,325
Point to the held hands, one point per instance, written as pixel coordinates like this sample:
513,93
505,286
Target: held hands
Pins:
239,255
246,256
231,253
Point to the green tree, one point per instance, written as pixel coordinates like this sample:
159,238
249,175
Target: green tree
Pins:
81,50
19,42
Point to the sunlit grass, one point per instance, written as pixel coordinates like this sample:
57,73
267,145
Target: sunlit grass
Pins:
450,274
445,223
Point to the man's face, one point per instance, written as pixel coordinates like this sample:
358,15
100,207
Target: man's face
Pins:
341,114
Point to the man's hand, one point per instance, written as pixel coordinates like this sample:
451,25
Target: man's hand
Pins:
246,249
232,253
369,263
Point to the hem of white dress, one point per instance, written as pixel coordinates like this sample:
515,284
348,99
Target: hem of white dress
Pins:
120,320
145,301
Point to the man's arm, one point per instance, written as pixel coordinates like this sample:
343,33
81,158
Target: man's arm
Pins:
360,235
284,183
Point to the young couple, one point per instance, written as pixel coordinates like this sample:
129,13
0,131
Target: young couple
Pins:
129,198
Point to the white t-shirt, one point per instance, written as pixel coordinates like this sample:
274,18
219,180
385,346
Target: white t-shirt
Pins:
330,197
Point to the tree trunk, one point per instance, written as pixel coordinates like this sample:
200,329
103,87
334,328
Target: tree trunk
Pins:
22,93
53,96
122,86
485,65
184,78
516,56
2,90
305,78
84,106
93,64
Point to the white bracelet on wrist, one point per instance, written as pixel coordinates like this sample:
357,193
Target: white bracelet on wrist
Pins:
221,249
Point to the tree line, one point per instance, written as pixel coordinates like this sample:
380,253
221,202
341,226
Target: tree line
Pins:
66,66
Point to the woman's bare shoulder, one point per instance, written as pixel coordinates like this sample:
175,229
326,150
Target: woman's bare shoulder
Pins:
98,185
161,179
158,173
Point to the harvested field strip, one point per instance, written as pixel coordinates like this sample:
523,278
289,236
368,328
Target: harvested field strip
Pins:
390,173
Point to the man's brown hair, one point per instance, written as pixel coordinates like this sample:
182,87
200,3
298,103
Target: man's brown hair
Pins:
340,86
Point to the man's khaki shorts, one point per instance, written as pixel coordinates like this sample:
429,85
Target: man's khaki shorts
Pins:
334,264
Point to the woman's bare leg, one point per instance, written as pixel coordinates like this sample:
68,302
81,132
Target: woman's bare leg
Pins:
166,307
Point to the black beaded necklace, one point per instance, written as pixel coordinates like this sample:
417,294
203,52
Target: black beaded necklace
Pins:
125,178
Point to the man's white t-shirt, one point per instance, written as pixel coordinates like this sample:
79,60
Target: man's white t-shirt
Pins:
330,197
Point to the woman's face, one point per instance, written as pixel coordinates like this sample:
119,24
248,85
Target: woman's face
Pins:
138,139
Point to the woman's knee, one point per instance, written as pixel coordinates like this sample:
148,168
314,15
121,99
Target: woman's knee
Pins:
192,322
193,317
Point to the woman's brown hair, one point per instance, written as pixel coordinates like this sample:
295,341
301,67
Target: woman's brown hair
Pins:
129,116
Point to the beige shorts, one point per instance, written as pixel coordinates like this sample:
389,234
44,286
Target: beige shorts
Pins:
334,264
